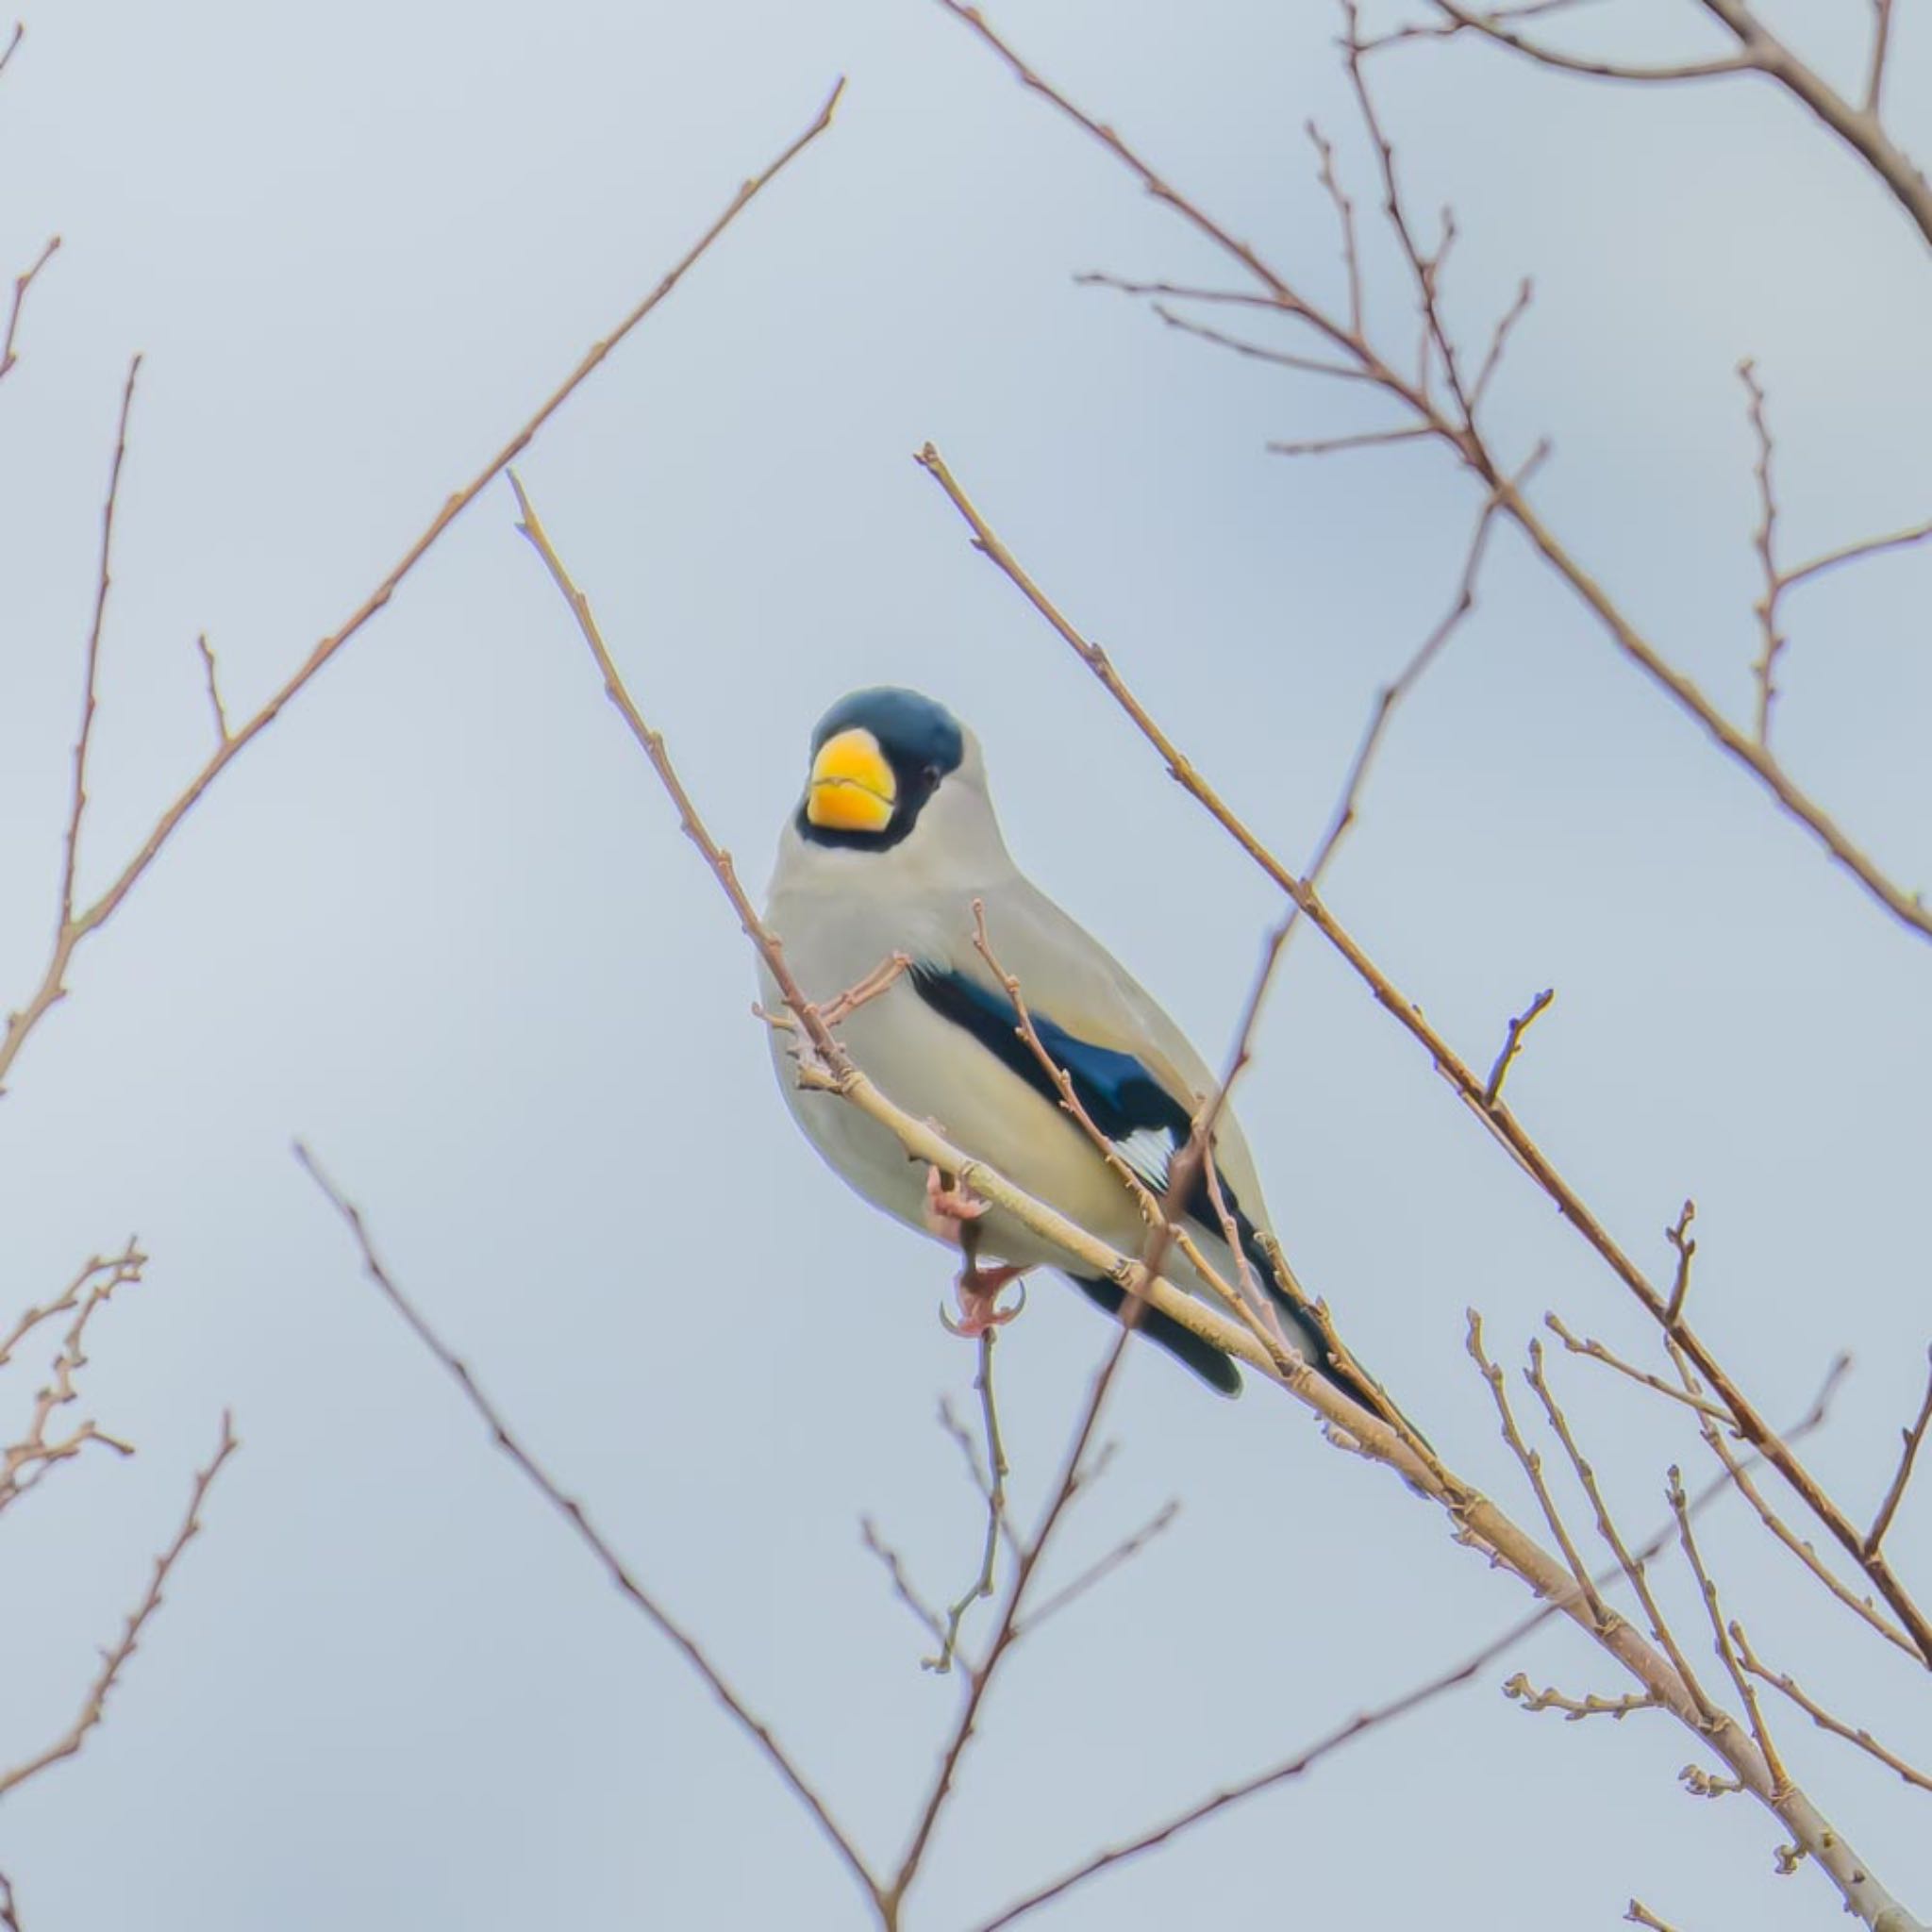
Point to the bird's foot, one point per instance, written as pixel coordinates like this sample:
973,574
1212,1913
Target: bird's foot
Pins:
951,1206
979,1290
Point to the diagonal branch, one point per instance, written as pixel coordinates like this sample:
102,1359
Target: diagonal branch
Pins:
587,1533
114,1660
76,930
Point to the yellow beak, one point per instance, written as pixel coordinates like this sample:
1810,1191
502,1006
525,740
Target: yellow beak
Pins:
852,788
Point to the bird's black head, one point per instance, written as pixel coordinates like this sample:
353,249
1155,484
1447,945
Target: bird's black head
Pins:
877,757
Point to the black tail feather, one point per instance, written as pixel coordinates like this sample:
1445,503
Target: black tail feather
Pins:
1213,1367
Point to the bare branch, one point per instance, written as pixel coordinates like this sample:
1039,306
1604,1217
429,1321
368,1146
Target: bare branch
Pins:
1122,1552
1823,1717
1881,49
1344,215
23,281
1861,1607
982,1585
573,1513
1533,1468
1367,438
214,689
1632,1567
1598,1353
1764,538
77,803
1492,25
114,1662
1913,1437
1519,1689
1722,1642
1641,1914
1680,1239
1854,553
1492,1086
74,932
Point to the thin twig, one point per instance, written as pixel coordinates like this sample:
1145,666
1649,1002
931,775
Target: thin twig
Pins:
982,1585
1521,1691
23,281
104,576
1764,540
1532,1463
573,1513
1721,1638
214,689
1632,1567
1861,1607
1598,1353
1780,1680
114,1660
74,932
1641,1914
1512,1045
1853,552
1681,1239
1122,1552
1895,1495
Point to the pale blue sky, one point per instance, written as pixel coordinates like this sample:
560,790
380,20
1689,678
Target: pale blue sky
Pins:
441,925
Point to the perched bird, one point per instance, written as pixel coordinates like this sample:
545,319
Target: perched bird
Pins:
892,841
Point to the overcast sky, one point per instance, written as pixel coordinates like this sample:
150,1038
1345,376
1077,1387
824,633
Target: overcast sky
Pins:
440,923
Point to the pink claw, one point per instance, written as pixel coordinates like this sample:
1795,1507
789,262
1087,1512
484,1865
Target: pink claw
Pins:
950,1209
978,1289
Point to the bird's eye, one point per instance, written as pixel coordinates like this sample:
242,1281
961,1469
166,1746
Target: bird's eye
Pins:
931,775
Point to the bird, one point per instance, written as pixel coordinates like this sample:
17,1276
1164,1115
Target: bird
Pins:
893,841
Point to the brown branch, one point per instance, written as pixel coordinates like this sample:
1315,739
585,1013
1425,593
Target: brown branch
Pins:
1861,1607
1344,215
1860,130
1881,49
1764,540
1456,429
1470,1085
1823,1717
214,689
1532,1463
1913,1437
1854,553
1598,1353
23,281
1680,1239
1641,1914
19,33
573,1513
77,801
114,1662
928,1618
1491,25
1426,1693
25,1462
1122,1552
982,1585
1333,445
74,932
1721,1638
1259,351
1479,1522
1521,1691
1709,1719
1492,1086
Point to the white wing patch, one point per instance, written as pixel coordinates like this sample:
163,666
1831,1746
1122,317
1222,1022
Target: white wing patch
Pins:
1149,1151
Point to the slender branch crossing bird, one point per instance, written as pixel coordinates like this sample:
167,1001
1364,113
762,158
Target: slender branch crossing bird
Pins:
892,841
